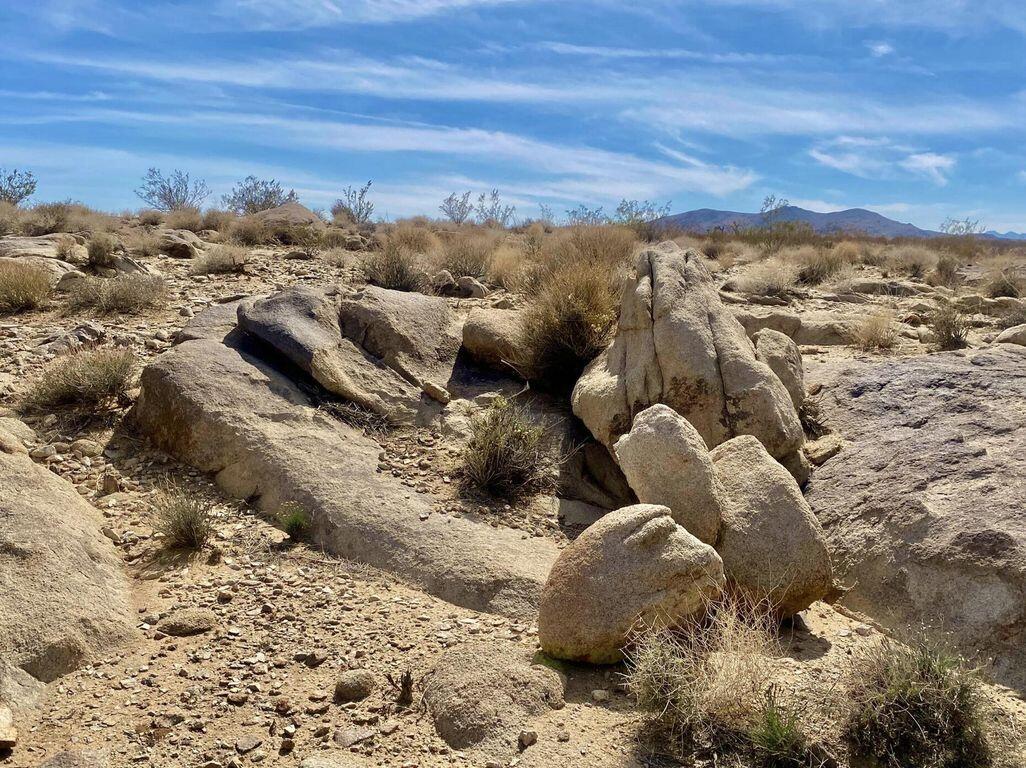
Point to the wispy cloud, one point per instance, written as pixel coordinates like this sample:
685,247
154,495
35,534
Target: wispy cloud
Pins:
882,159
302,14
933,166
879,49
682,54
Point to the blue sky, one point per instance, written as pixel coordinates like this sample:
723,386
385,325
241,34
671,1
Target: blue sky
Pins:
914,109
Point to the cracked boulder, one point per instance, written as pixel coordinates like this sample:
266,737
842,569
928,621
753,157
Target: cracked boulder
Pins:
676,343
391,352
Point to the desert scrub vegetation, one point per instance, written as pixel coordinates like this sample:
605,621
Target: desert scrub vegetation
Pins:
10,218
1012,318
512,268
183,518
1004,281
609,246
771,277
141,241
466,254
150,217
247,231
814,265
101,249
22,287
125,294
504,456
949,326
172,192
221,260
16,185
294,520
916,705
945,271
185,218
876,331
89,378
394,266
911,260
47,219
252,195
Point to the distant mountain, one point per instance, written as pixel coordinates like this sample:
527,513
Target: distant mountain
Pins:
852,220
1006,235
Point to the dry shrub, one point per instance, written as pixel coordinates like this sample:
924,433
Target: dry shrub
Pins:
121,294
873,255
218,220
47,219
504,456
22,287
567,324
11,217
726,253
150,217
912,260
842,281
91,378
814,265
183,518
334,238
1004,281
67,248
706,680
466,253
82,218
916,705
248,231
534,239
101,248
876,331
849,252
771,277
610,246
394,266
415,239
945,272
1012,318
511,268
221,260
949,327
184,218
142,242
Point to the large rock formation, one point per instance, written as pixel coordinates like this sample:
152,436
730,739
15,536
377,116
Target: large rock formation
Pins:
240,409
771,544
63,596
635,564
923,506
676,343
378,348
784,358
667,462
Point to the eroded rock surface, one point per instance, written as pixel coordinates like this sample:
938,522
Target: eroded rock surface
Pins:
923,505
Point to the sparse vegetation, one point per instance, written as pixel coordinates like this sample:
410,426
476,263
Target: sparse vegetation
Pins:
151,217
771,277
16,186
185,218
777,737
101,249
248,231
353,207
47,218
949,327
491,211
811,415
1012,318
918,705
912,260
221,260
10,218
252,195
945,272
394,266
876,331
1004,281
504,456
466,253
122,294
457,208
142,242
91,378
183,518
172,192
22,287
815,265
294,520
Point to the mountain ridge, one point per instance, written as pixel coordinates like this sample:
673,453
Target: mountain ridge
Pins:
855,220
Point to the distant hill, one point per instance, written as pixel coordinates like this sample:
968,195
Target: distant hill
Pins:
852,220
1006,235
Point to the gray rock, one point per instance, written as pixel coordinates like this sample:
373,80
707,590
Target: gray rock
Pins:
288,215
1014,335
188,621
824,331
492,336
180,244
471,287
354,685
784,359
923,507
77,759
755,319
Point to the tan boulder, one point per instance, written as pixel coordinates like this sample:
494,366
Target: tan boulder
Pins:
771,543
1014,335
667,462
784,358
492,336
676,343
633,565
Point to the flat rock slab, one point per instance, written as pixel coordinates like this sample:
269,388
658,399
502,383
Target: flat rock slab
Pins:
224,409
923,505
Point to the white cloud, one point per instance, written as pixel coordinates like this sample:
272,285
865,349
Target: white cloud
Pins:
684,54
880,49
931,165
303,14
880,158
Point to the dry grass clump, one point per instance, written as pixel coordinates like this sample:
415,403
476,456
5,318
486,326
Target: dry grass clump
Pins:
511,268
726,253
151,217
916,705
248,231
771,277
504,456
466,253
567,324
67,248
10,218
91,378
22,287
142,242
184,218
912,260
416,239
218,220
815,265
945,272
1004,281
183,518
122,294
101,249
47,219
221,260
949,327
1012,318
876,331
608,245
706,681
394,266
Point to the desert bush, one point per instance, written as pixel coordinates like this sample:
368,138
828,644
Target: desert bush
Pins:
394,266
849,252
173,192
945,272
705,679
249,231
873,255
354,207
90,378
22,287
101,249
457,208
221,260
1004,281
1012,318
252,195
504,456
466,253
67,248
16,186
607,245
916,705
534,239
415,239
949,327
183,518
814,265
185,218
567,324
151,217
777,737
11,217
771,277
47,218
142,242
122,294
294,520
511,268
912,260
334,238
812,417
876,331
218,220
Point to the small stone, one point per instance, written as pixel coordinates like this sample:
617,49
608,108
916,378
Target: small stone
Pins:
189,621
600,694
527,739
248,743
8,733
347,737
354,685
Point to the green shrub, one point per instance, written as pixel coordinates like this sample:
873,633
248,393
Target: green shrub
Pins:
91,378
504,457
294,520
777,736
183,518
916,705
22,287
949,327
